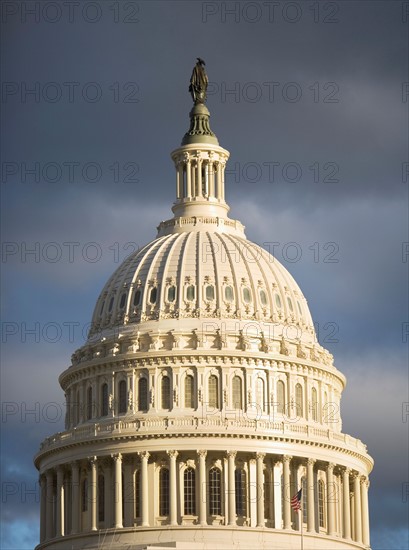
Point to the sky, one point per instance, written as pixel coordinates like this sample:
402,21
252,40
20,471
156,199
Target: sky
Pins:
310,98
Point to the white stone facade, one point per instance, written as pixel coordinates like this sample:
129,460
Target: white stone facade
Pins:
202,400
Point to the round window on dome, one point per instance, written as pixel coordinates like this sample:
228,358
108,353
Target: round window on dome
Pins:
171,293
153,295
290,304
123,300
228,293
137,297
246,295
102,307
210,293
111,303
278,301
263,297
190,293
299,307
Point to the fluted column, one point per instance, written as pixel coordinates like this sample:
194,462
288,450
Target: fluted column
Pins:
331,494
310,496
260,489
365,510
43,503
211,178
144,456
358,511
59,529
75,495
346,509
231,456
92,484
118,491
188,179
286,482
202,487
49,520
172,486
199,178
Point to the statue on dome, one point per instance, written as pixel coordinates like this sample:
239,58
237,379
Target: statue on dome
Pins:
198,82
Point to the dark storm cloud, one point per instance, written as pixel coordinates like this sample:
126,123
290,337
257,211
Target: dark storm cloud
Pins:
321,103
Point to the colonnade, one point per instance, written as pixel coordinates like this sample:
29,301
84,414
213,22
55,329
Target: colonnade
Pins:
124,491
199,177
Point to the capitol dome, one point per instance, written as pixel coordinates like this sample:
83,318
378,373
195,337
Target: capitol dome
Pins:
202,402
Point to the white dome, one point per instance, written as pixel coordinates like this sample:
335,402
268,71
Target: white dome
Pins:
202,274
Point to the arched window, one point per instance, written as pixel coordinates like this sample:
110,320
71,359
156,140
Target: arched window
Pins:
89,403
215,492
240,482
246,295
153,295
143,394
210,293
304,498
164,492
228,293
123,301
138,493
213,391
189,392
189,486
278,300
84,495
111,303
102,307
325,409
261,402
101,498
299,400
237,393
122,405
321,503
314,404
171,293
104,400
280,397
290,304
165,392
137,297
263,297
190,293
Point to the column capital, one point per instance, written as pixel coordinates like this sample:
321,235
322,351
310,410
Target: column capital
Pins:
311,461
202,453
346,471
92,461
364,481
117,457
231,454
287,458
172,454
330,466
260,456
144,455
355,475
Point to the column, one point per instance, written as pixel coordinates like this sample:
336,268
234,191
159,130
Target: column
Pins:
108,493
188,179
346,512
260,489
365,510
231,456
278,505
144,456
202,487
219,181
118,491
129,492
49,520
172,486
60,503
43,512
310,496
331,496
211,178
75,495
92,488
358,511
287,495
199,177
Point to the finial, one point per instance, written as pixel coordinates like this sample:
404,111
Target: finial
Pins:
198,82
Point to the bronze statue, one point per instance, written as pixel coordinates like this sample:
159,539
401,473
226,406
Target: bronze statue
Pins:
198,82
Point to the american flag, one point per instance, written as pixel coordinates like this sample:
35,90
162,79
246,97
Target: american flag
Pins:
296,501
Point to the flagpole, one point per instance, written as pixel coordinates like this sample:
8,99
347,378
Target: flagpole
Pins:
302,533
